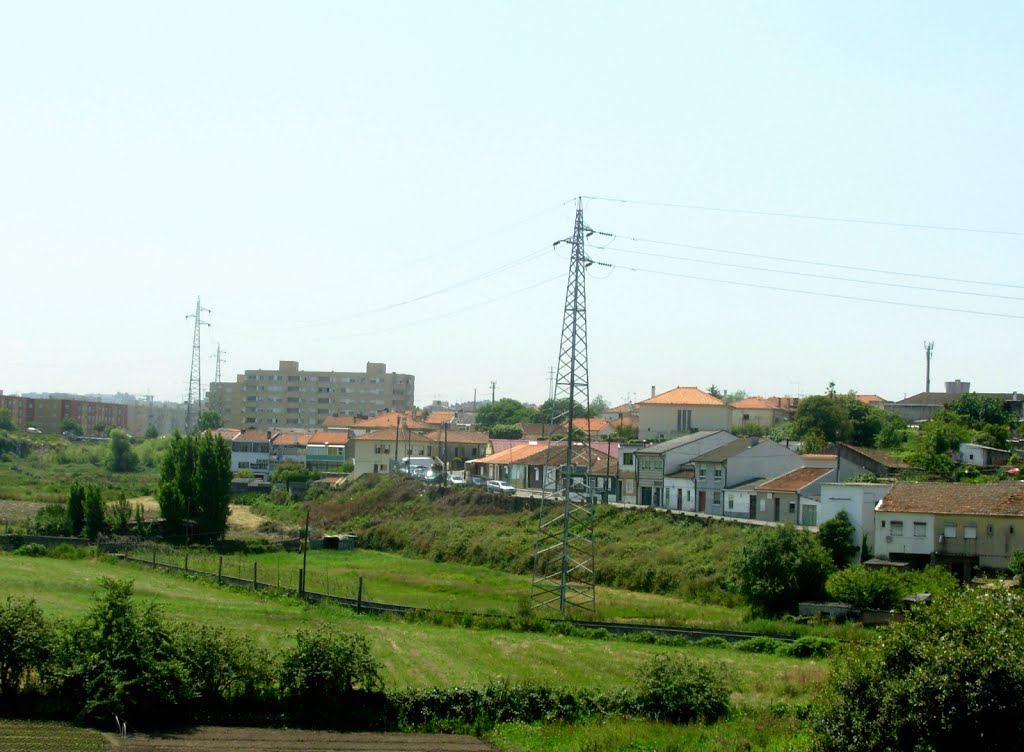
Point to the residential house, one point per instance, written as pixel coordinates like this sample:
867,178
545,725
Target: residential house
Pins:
923,406
540,466
682,410
458,445
288,446
250,450
980,455
680,492
741,500
403,422
597,428
541,431
326,451
852,461
736,463
655,462
379,451
793,497
759,411
626,457
959,525
858,500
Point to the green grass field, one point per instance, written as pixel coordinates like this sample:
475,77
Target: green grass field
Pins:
38,736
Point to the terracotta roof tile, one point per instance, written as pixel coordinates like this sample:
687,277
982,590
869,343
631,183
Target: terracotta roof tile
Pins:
440,417
871,399
388,434
339,421
755,403
254,435
336,438
985,499
795,480
893,463
291,439
458,437
683,395
393,419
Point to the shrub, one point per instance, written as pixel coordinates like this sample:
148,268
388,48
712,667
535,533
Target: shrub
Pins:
680,689
68,551
25,638
52,520
31,549
324,674
837,537
808,647
866,588
759,645
780,566
712,642
948,678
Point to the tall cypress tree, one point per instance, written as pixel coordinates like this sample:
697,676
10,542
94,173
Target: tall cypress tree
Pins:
76,508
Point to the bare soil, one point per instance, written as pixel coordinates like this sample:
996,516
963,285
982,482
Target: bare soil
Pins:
242,522
226,739
14,512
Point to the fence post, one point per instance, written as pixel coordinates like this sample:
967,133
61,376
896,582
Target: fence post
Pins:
300,582
359,597
220,571
154,557
186,563
254,575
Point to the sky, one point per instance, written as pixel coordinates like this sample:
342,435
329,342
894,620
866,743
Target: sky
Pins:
795,193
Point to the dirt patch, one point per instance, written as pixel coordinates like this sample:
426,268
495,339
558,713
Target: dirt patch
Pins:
16,512
242,522
223,739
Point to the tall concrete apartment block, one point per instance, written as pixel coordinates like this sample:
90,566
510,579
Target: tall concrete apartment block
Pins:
288,398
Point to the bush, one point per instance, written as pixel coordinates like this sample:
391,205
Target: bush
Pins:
31,549
712,642
767,645
68,551
325,673
948,678
780,566
837,537
866,588
25,638
679,689
808,647
52,520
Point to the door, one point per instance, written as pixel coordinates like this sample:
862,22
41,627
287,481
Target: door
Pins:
777,502
702,500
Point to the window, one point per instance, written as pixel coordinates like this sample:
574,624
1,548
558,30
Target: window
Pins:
627,459
718,474
792,507
683,419
949,530
970,531
730,501
896,528
920,529
702,474
716,497
629,488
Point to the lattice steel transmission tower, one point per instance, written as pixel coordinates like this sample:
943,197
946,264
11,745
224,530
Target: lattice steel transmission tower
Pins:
194,406
563,558
216,397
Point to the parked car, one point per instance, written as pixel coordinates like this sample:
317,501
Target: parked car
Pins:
500,486
456,480
477,480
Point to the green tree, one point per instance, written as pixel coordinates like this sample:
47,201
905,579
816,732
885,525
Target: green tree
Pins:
291,472
505,431
947,678
100,429
195,483
778,567
980,411
25,640
72,426
837,537
598,406
210,420
503,411
625,432
6,422
866,588
122,458
151,432
95,520
76,508
120,515
555,411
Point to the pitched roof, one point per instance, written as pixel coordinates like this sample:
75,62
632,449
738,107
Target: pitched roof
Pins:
665,446
253,435
542,430
755,403
589,424
892,463
511,456
988,499
339,421
388,434
624,409
684,395
500,445
225,433
458,437
440,417
871,399
394,419
795,480
291,439
336,438
725,451
544,453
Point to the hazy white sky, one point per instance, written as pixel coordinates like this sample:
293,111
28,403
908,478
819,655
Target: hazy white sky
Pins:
317,171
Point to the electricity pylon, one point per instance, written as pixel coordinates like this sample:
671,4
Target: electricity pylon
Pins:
195,393
563,558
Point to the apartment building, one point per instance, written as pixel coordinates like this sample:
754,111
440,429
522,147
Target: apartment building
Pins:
47,414
292,399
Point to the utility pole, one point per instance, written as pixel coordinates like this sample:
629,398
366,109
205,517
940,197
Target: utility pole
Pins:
219,358
194,379
494,385
928,347
563,559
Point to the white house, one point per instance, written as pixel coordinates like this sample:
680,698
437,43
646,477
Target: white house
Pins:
858,500
682,410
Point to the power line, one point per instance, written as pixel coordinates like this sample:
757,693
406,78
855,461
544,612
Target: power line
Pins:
791,260
816,276
837,296
814,217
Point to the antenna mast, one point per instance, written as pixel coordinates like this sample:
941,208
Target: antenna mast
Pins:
194,379
928,347
563,559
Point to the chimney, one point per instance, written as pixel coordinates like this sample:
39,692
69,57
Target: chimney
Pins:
652,390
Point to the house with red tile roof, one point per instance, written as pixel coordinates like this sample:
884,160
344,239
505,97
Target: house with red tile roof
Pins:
326,451
680,411
380,451
758,411
288,446
959,525
539,466
792,497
